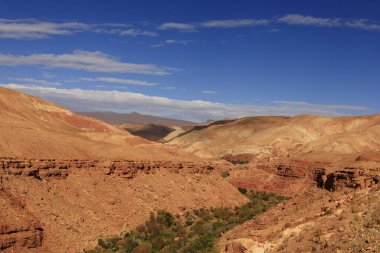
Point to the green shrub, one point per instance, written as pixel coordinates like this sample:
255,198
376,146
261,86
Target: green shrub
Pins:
197,232
235,162
225,174
242,190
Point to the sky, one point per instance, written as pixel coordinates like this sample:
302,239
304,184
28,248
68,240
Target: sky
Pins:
195,59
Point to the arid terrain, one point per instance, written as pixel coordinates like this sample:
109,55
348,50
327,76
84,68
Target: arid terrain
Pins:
305,137
67,180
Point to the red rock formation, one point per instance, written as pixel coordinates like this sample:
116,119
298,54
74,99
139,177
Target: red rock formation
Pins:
27,235
349,177
18,227
42,169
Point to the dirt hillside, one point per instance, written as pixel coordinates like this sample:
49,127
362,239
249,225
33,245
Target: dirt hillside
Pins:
307,136
32,127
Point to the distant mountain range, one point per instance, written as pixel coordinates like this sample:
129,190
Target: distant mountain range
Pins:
135,118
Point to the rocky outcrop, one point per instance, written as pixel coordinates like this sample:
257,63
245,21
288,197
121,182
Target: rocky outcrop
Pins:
349,177
129,169
291,168
19,228
25,236
51,168
369,157
239,157
243,245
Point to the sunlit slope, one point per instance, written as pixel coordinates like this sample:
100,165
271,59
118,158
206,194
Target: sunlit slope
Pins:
305,135
32,127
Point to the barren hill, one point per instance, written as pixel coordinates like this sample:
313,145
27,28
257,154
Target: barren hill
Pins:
32,127
306,135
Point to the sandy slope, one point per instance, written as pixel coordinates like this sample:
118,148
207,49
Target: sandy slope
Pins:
32,127
305,135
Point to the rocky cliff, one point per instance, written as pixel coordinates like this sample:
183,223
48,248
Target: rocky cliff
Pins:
55,205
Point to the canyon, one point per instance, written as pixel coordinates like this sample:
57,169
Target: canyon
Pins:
68,180
66,205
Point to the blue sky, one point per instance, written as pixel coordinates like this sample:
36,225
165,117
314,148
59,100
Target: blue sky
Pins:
195,60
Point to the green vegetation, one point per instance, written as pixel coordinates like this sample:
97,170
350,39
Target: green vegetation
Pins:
235,162
195,231
242,190
225,174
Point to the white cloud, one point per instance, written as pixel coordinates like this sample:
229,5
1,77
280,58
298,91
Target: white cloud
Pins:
233,23
121,101
183,42
83,60
210,92
35,81
132,32
227,23
289,19
118,80
177,26
36,29
172,42
364,24
32,29
297,19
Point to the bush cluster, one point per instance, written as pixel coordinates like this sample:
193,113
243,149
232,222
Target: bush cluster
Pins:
235,162
196,231
225,174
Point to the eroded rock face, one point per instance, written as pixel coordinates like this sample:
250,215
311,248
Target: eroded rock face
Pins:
283,176
67,205
26,236
51,168
291,176
349,177
19,228
238,246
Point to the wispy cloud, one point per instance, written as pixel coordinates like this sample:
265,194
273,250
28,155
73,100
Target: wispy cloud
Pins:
36,29
118,80
172,42
289,19
297,19
177,26
210,92
132,32
136,32
363,24
35,81
224,23
121,101
83,60
33,29
233,23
